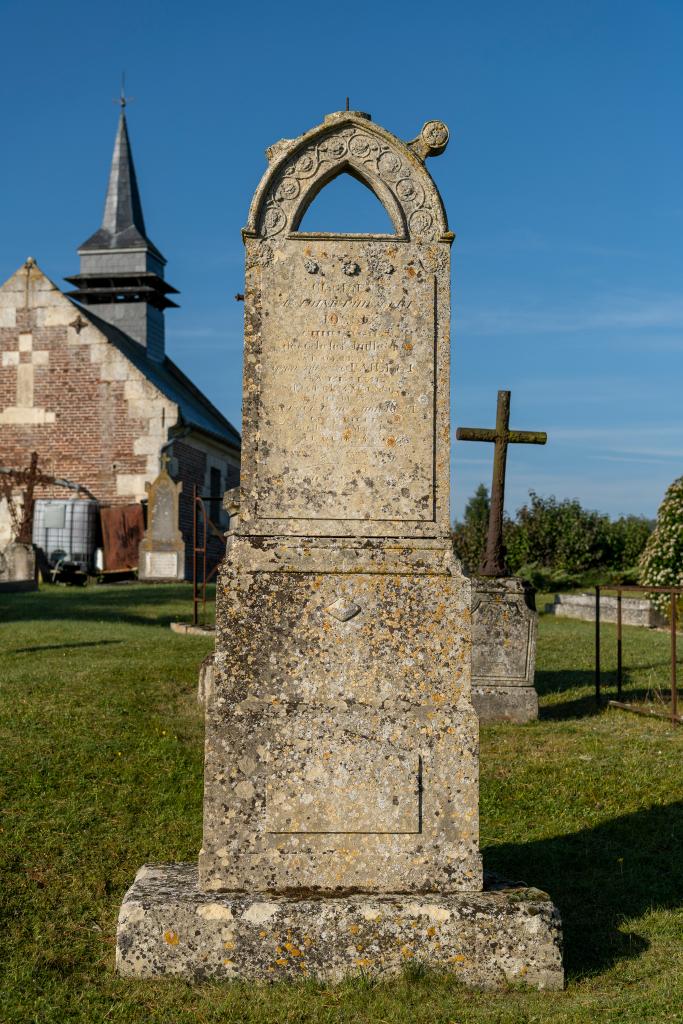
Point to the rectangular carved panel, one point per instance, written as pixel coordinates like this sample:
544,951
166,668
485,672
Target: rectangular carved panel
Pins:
347,413
355,786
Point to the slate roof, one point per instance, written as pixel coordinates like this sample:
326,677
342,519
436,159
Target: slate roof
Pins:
123,225
195,408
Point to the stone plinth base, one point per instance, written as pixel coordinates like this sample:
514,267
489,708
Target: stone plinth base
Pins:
167,926
505,703
187,629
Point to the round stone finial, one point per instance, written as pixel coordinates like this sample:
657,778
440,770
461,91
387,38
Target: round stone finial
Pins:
30,262
434,134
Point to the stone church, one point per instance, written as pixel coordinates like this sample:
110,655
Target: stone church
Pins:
85,379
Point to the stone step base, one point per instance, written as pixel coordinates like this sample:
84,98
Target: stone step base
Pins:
167,926
504,703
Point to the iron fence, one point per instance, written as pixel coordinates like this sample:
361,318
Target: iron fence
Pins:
201,525
673,593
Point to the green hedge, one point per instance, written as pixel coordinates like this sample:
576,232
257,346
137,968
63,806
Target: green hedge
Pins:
556,543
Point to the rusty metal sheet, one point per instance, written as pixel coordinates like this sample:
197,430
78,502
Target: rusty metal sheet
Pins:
123,527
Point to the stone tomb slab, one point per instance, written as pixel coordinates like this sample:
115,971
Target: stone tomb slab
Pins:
634,611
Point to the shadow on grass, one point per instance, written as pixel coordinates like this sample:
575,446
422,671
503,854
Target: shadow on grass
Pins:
549,683
62,647
601,877
130,604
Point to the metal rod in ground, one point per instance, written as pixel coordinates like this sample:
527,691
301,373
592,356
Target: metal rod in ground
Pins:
205,538
647,712
674,695
195,618
619,644
597,645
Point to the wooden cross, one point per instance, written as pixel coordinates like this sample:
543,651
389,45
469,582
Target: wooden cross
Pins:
493,563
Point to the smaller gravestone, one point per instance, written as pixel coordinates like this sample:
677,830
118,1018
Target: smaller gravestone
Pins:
162,549
504,627
504,619
18,567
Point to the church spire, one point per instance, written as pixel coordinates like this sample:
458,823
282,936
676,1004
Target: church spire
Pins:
123,223
122,271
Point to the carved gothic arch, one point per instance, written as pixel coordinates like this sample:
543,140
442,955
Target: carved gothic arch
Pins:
365,177
349,142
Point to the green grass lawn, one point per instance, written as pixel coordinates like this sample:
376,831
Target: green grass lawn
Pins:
101,743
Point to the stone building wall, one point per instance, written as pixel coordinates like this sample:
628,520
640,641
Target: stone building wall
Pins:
194,462
93,417
69,394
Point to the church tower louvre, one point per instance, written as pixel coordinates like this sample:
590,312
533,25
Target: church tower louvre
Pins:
122,272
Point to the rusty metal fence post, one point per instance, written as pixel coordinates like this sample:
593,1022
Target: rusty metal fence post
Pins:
195,592
200,550
674,695
597,646
619,643
673,594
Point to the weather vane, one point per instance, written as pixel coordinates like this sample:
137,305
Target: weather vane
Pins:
123,100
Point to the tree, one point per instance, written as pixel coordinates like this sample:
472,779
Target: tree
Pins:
558,535
661,563
556,543
469,537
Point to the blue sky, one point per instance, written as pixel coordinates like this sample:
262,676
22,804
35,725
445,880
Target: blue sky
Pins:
563,182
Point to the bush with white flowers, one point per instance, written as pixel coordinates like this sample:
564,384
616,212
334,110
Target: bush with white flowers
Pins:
661,563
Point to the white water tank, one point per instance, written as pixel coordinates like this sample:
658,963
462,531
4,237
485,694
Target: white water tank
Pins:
66,531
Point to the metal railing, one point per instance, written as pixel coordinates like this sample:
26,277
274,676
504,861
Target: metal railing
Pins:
673,593
199,553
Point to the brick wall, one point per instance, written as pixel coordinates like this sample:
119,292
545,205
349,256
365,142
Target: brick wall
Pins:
193,466
69,394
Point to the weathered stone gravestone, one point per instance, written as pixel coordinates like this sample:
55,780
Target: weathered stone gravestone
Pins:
341,772
504,619
504,628
162,549
18,567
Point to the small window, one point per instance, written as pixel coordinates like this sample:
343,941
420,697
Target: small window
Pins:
215,495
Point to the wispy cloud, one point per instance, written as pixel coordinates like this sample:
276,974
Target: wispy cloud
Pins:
632,436
531,241
624,444
639,457
616,312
